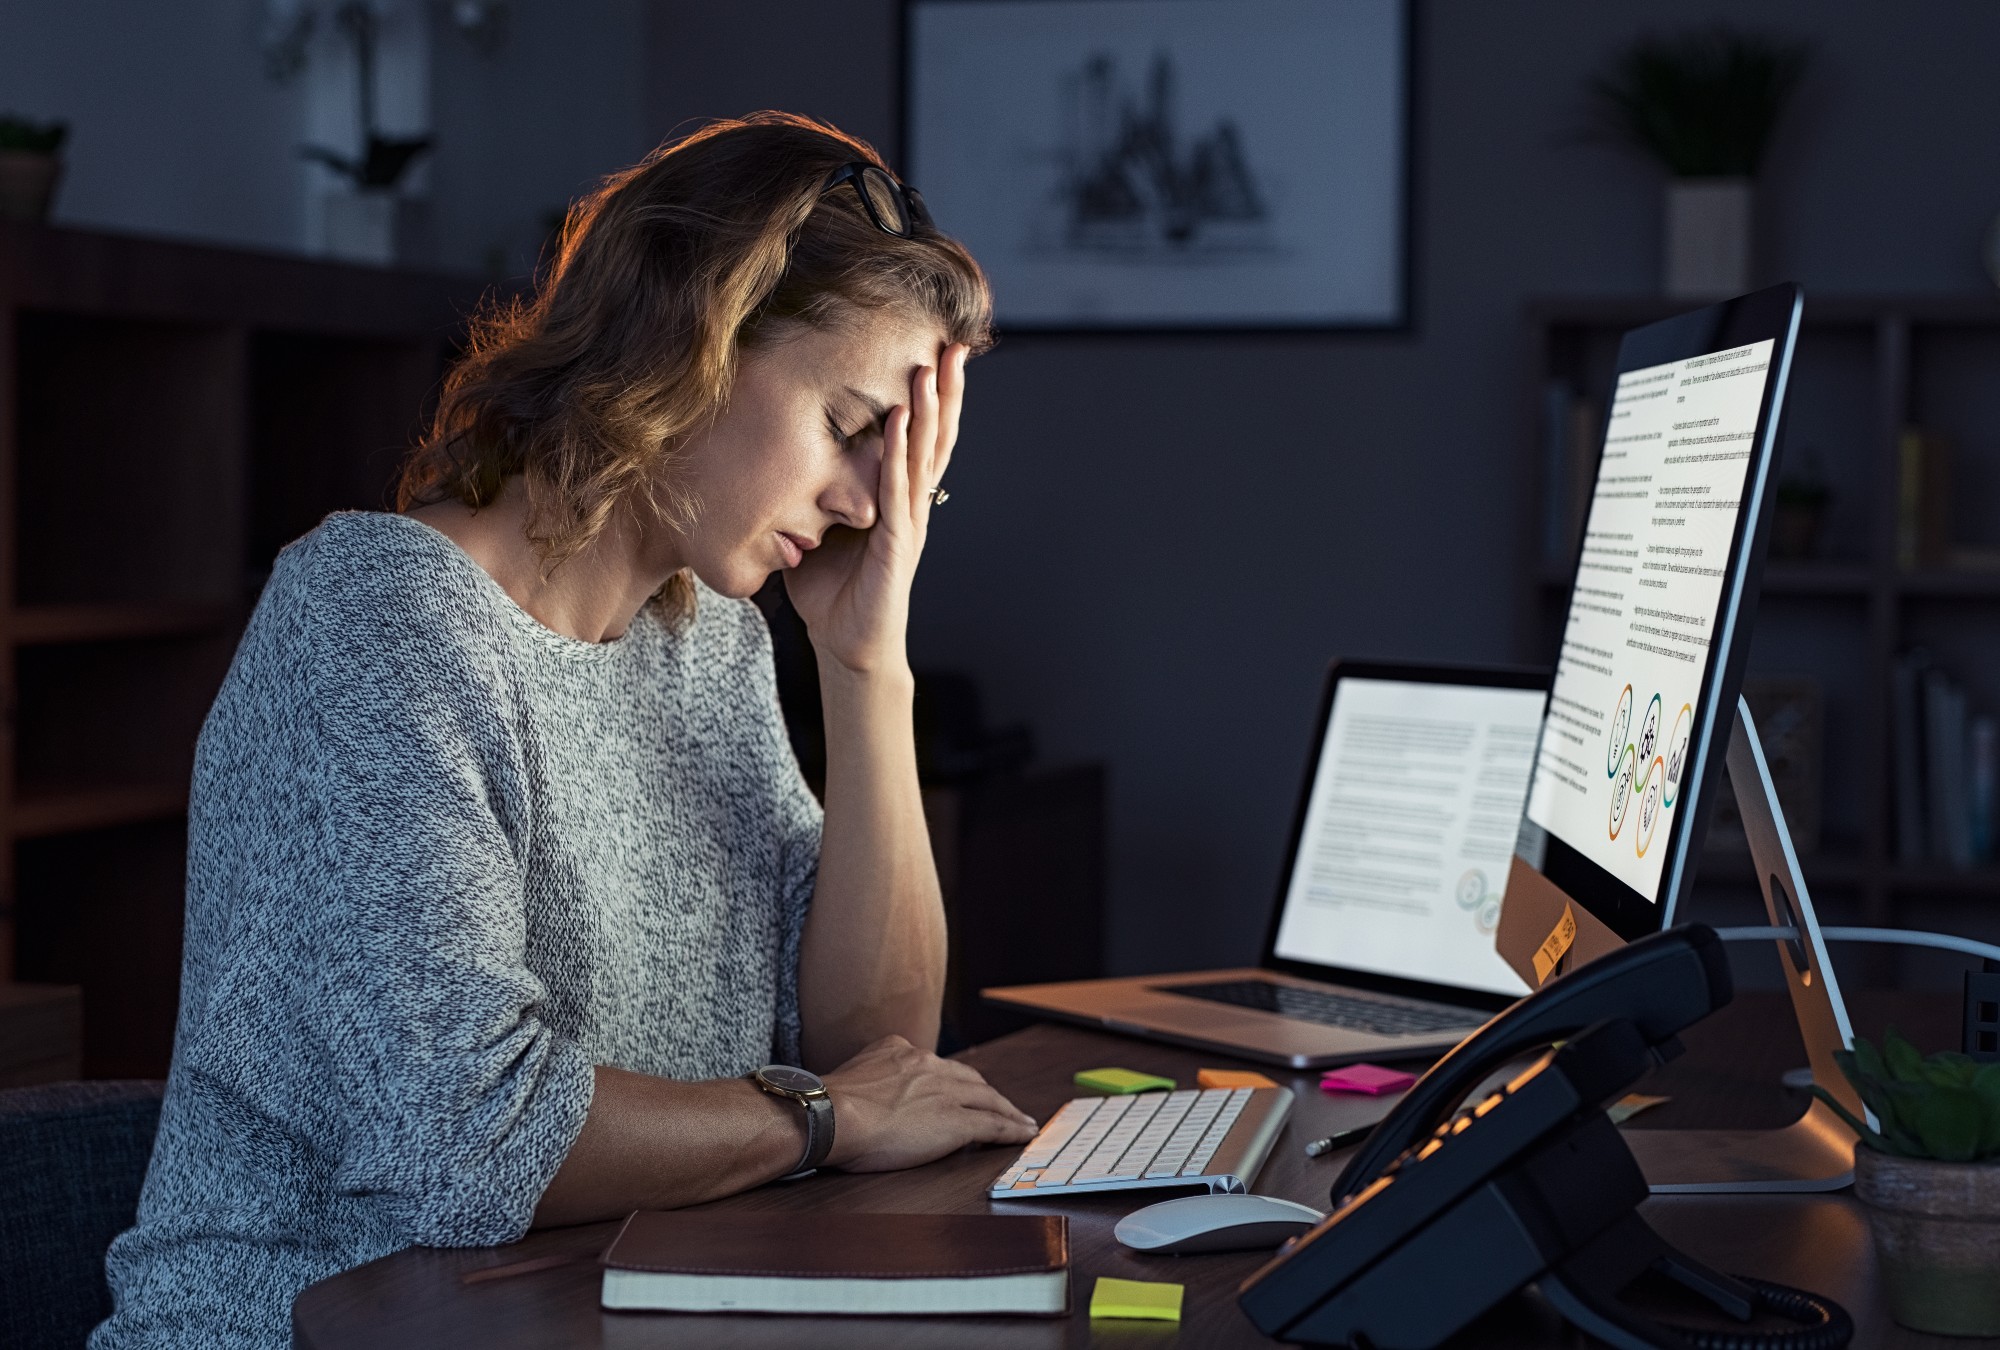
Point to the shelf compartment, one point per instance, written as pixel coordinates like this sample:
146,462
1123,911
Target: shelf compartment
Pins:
45,814
331,419
129,461
1944,880
102,909
54,625
1733,862
105,731
1943,582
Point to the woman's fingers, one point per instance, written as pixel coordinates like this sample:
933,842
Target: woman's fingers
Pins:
892,494
986,1127
923,431
951,402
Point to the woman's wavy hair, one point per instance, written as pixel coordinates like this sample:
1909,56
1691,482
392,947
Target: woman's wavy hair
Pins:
713,245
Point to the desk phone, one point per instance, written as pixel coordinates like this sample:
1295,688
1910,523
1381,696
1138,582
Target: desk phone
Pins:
1448,1210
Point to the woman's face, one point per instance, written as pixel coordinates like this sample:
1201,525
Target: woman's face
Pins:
799,448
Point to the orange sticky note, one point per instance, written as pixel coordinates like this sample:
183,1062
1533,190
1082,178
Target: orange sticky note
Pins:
1232,1078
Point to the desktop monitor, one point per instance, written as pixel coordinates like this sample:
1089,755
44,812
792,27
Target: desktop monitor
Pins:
1656,637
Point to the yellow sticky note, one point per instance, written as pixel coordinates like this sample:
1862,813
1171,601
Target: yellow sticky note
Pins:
1630,1105
1555,946
1232,1078
1136,1298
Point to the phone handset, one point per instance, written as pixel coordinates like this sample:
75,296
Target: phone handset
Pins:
1662,984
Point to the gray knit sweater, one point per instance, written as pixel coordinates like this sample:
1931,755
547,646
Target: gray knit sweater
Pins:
441,862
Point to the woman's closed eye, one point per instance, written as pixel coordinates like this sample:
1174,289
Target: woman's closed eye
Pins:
848,440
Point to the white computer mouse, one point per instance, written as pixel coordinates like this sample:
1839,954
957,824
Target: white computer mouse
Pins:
1215,1223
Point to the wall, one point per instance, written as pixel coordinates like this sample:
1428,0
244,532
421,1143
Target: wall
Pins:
525,131
1154,544
173,128
176,130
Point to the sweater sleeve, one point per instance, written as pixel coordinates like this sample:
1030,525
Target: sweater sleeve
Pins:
456,1101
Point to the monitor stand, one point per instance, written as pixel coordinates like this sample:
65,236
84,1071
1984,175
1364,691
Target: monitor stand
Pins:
1816,1151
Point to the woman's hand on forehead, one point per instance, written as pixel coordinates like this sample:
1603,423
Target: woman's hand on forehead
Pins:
854,590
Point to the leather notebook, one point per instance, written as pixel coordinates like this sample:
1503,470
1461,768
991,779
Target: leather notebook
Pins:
864,1264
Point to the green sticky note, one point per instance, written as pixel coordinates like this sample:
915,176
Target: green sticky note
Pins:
1117,1082
1136,1298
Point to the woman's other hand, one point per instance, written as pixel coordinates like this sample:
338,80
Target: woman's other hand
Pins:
853,591
896,1106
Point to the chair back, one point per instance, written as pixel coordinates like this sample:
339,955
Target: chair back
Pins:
72,1159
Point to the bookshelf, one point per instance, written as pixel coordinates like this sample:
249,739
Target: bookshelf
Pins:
170,416
1867,369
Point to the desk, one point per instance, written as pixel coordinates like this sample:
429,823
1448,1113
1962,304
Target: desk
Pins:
417,1298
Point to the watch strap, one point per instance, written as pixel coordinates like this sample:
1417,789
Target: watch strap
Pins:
819,1134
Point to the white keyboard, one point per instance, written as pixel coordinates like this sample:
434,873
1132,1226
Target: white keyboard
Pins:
1213,1137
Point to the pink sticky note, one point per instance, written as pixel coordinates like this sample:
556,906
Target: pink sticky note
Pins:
1372,1079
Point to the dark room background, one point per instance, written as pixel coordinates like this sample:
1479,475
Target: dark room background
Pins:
1154,544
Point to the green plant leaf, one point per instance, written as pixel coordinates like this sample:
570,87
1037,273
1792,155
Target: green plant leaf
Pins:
1905,1064
1986,1086
1867,1060
1948,1122
1949,1073
1878,1097
1860,1128
1703,103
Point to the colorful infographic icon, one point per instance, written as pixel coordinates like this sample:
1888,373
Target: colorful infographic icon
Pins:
1677,753
1472,889
1650,809
1649,730
1621,789
1621,722
1487,916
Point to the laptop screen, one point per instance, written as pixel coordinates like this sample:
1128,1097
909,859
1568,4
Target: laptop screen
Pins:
1408,832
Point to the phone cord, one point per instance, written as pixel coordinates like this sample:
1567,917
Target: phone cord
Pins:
1823,1324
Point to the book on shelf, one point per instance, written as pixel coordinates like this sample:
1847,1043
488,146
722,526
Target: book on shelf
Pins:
1946,761
824,1263
1923,500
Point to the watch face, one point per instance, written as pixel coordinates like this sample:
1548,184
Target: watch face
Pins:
790,1079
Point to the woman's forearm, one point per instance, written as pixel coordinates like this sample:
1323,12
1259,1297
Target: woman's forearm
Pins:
655,1143
873,958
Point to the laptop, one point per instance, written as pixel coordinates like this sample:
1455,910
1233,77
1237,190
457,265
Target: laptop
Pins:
1381,943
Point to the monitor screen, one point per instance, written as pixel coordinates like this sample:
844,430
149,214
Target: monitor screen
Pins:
1408,828
1650,587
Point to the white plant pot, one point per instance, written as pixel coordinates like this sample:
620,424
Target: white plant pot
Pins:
1707,238
377,226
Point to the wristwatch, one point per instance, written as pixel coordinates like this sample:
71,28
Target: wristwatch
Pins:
782,1080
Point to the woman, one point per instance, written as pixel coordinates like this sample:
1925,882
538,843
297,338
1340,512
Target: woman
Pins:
502,876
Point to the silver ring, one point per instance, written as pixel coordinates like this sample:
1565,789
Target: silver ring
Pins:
938,496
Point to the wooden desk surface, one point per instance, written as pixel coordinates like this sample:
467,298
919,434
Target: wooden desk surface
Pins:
419,1298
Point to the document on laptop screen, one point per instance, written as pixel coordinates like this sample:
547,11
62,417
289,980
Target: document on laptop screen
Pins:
1409,830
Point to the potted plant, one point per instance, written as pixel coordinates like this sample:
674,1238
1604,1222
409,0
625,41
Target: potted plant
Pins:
373,223
1703,105
30,163
1929,1177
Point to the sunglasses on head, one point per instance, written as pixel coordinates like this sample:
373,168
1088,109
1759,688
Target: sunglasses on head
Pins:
894,207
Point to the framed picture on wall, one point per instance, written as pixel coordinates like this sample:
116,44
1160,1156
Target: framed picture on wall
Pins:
1168,164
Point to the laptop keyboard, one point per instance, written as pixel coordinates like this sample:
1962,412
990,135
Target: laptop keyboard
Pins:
1329,1009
